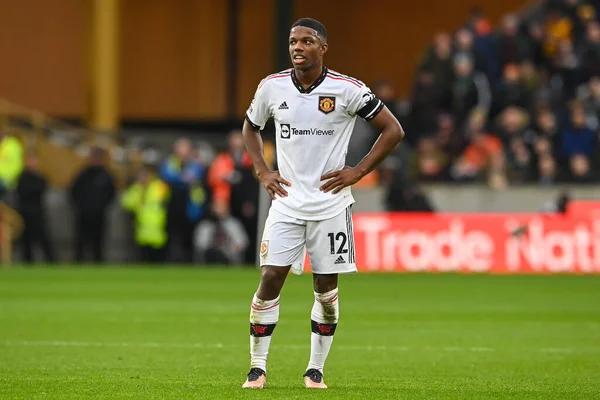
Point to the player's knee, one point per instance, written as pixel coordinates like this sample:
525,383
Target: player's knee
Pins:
325,283
325,311
271,281
274,274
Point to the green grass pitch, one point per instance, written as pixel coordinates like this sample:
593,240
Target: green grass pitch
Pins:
136,333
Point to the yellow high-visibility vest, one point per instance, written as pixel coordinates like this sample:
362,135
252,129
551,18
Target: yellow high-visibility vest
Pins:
149,204
11,161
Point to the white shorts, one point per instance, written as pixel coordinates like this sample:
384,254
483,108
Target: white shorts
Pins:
330,243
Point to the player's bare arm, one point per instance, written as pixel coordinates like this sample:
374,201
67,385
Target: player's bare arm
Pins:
391,134
271,180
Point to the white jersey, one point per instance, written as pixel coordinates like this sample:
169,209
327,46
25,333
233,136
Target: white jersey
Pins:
313,129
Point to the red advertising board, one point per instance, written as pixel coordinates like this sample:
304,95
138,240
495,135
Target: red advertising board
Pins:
584,209
552,243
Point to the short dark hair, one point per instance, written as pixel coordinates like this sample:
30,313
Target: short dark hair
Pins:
313,24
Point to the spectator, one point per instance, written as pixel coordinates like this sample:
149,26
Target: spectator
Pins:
589,51
485,47
513,123
578,139
582,15
439,60
221,238
477,20
236,190
512,47
566,64
449,139
520,161
545,122
432,162
463,46
477,159
147,199
186,178
589,95
543,146
92,191
31,189
529,78
536,36
511,91
546,170
547,128
550,91
558,29
470,89
11,162
580,169
426,102
478,45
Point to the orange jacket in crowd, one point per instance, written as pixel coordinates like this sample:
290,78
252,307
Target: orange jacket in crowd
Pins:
219,176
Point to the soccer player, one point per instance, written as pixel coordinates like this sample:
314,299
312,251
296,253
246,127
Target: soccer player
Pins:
314,110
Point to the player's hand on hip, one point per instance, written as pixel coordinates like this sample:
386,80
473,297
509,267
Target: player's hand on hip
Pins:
273,182
338,180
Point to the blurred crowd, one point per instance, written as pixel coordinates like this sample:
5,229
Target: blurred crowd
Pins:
519,103
189,209
507,105
183,209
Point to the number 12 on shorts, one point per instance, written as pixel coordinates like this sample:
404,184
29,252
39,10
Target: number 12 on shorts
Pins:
339,237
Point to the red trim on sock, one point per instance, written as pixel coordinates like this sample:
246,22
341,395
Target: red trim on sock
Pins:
259,308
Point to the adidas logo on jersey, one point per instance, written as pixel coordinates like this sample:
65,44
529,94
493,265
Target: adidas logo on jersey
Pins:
284,106
340,260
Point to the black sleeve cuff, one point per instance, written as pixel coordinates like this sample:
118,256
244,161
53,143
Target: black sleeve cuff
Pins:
252,123
371,109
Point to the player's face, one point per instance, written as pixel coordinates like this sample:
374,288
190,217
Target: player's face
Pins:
306,48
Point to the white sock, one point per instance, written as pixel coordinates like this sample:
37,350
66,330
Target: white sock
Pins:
264,315
324,318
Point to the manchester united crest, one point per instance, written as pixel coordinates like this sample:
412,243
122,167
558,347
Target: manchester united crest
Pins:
264,248
326,104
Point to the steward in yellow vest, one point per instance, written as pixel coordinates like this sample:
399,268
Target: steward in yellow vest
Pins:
11,162
147,199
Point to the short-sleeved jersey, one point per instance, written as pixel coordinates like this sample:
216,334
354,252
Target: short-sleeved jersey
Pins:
313,128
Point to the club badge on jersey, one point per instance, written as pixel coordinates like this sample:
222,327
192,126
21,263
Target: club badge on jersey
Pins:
326,104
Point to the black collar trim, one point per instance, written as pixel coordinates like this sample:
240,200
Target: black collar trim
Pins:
314,85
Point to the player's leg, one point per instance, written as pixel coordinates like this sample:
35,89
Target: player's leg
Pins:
272,279
323,320
264,315
282,246
331,247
